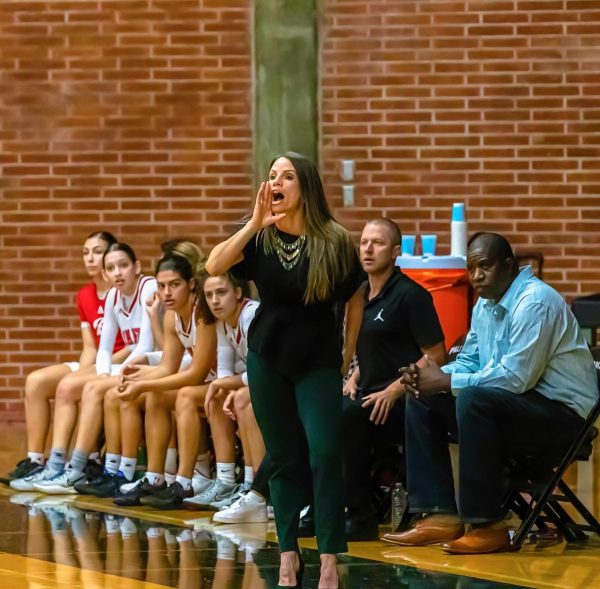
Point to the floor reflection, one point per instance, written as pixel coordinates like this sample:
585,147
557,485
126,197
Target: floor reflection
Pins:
53,529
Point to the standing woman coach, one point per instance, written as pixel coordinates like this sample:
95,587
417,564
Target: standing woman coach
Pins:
302,263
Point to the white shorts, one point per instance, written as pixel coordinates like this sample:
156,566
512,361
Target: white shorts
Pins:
115,369
154,359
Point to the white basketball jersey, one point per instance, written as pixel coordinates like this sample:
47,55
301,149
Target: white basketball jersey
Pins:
130,310
238,336
187,335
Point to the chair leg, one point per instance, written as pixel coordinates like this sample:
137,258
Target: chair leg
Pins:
579,506
527,523
564,522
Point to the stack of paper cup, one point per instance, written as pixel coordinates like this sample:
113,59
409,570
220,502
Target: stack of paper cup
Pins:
458,231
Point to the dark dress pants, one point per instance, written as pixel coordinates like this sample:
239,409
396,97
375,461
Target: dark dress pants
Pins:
301,423
260,484
492,425
362,439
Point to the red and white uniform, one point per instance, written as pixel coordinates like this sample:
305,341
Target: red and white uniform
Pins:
91,313
187,337
130,315
232,343
186,334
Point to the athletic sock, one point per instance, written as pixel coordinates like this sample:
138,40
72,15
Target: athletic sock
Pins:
111,463
155,478
203,464
78,460
127,467
226,472
248,475
37,457
170,478
184,482
57,460
95,456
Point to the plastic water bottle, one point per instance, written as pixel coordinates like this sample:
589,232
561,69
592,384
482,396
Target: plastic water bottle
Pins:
458,231
399,505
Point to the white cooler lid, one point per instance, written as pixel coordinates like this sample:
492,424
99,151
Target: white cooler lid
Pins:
431,263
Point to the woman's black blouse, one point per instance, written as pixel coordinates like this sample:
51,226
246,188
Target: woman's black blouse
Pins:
285,331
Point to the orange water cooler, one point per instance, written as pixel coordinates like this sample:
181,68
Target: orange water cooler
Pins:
445,277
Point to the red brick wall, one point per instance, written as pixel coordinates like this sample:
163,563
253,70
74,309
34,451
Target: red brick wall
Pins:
494,103
133,116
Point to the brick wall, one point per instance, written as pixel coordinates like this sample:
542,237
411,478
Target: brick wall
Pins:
133,116
494,103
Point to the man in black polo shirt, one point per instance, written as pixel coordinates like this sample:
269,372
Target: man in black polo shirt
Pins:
399,326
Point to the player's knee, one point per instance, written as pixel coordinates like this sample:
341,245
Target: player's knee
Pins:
241,401
186,400
92,392
67,391
112,398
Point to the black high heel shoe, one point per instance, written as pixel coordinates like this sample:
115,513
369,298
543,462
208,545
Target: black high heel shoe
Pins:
299,576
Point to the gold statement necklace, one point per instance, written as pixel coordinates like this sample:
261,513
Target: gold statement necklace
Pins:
289,253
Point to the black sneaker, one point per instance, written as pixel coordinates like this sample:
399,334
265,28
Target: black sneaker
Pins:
361,526
169,498
106,485
23,469
133,496
93,470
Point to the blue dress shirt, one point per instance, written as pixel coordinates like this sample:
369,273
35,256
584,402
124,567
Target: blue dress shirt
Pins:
528,340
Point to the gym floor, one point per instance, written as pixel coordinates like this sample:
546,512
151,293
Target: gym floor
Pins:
78,542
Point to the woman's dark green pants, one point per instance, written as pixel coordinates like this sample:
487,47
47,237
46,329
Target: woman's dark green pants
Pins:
301,423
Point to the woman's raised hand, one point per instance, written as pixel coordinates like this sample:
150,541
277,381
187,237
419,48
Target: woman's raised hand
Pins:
262,215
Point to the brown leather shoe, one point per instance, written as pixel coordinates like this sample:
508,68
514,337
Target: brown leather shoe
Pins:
425,533
481,540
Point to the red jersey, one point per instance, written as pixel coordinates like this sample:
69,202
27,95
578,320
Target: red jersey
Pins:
91,312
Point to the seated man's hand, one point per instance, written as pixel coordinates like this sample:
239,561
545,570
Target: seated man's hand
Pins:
409,377
431,379
382,403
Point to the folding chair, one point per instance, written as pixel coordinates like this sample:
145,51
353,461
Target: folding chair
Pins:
538,489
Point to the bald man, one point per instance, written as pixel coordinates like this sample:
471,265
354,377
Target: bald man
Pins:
525,378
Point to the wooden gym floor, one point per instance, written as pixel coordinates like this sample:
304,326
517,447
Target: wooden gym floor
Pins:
75,542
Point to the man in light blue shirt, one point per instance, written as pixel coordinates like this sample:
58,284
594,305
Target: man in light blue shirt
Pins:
525,379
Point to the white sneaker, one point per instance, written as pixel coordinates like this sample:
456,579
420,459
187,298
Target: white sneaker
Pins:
129,486
217,491
226,499
248,509
60,484
200,483
27,483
